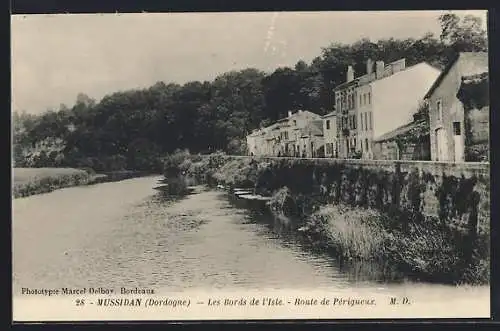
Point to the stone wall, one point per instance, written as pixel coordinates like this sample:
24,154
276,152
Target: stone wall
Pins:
457,194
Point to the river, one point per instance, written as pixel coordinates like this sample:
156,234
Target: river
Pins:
128,233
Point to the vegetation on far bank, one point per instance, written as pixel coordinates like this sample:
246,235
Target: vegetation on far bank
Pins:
30,181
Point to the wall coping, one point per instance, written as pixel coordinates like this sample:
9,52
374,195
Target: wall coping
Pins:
466,169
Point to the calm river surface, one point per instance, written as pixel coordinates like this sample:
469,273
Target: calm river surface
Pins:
128,234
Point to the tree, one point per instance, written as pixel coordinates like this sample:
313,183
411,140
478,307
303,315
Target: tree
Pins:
131,129
282,91
463,34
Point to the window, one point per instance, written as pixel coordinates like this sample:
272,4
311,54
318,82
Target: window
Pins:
328,124
364,99
329,148
456,129
294,122
369,98
352,122
360,103
439,109
366,144
361,118
371,122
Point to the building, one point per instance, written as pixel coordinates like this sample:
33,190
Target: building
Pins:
446,111
380,101
291,130
408,142
311,142
282,138
253,142
330,134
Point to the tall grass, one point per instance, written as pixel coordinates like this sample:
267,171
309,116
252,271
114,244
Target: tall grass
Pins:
352,233
30,181
425,250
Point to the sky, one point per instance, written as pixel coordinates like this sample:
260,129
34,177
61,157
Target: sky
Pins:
55,57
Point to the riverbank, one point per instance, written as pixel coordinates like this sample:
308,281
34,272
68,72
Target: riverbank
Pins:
31,181
197,247
417,220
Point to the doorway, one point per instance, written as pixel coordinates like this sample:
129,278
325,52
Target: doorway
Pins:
442,145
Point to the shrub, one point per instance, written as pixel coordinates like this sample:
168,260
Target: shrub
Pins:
172,163
237,172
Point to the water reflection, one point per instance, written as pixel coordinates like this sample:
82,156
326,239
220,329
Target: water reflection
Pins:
135,233
284,228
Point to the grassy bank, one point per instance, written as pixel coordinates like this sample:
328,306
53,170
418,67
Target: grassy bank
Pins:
30,181
337,212
426,250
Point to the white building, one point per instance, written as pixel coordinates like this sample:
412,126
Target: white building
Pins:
283,137
330,134
379,102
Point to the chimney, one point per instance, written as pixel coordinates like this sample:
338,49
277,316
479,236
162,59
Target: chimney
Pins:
369,66
350,74
289,113
399,65
379,68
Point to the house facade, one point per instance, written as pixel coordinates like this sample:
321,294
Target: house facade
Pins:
446,111
312,140
285,137
379,102
330,135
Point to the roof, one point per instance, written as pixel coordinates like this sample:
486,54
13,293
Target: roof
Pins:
314,128
474,63
406,71
333,113
279,124
368,78
300,112
344,84
416,129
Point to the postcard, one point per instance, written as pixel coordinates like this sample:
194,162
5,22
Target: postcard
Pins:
250,166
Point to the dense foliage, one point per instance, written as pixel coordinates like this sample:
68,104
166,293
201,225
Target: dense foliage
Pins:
133,129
